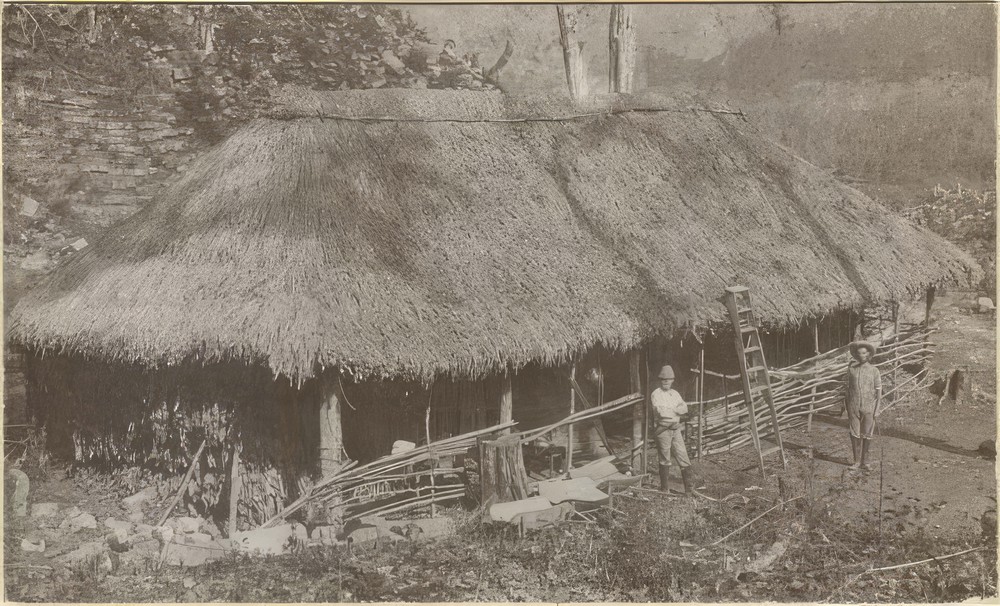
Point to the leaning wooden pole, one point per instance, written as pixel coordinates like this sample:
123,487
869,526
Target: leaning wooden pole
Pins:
235,487
635,382
331,433
931,291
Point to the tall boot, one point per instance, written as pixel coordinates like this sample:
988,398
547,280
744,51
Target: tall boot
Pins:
664,474
688,477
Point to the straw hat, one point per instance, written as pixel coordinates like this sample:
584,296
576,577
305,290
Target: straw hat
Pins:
855,346
667,372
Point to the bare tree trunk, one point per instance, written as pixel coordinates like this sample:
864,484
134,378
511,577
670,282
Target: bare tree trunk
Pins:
576,75
621,49
506,402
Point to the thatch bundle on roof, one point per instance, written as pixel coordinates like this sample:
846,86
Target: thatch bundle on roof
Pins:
425,232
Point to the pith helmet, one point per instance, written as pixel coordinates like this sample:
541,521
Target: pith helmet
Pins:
667,372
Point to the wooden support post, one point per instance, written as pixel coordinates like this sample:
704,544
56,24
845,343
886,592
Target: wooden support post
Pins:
572,409
576,73
635,386
331,432
430,453
931,290
621,49
644,457
895,350
812,402
701,394
506,401
235,487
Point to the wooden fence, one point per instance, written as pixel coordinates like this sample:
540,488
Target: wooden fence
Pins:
811,386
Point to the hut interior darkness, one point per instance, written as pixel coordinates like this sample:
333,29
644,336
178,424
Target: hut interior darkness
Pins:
358,257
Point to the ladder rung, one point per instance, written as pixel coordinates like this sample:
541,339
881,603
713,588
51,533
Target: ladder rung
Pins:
736,289
744,310
751,349
756,369
769,451
746,329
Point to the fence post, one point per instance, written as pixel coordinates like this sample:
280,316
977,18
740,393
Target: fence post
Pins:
812,401
895,350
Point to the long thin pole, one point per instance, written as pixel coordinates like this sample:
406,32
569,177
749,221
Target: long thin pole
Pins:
235,487
645,419
427,429
180,491
895,350
701,394
572,409
812,402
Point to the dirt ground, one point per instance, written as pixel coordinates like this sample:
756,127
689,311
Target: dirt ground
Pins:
927,497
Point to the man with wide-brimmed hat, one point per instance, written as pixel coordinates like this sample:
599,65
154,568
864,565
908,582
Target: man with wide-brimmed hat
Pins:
668,406
863,395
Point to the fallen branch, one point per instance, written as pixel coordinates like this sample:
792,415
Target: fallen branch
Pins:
781,504
935,559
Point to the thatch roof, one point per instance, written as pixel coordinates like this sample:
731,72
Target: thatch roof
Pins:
436,242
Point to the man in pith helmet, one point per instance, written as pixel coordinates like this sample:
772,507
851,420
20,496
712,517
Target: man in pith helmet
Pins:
668,406
863,395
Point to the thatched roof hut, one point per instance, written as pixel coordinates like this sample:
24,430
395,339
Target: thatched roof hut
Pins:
423,232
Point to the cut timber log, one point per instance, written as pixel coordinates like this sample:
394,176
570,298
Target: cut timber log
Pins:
503,477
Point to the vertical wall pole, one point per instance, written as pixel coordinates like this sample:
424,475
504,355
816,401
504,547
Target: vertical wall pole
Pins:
331,432
569,428
701,394
895,350
645,420
635,382
812,402
931,290
506,401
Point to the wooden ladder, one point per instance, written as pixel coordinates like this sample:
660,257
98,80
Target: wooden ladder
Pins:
753,367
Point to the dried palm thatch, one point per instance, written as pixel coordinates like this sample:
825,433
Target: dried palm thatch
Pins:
423,232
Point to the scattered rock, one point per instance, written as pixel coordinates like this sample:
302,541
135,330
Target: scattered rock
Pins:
115,524
988,448
118,541
83,520
85,551
186,524
28,206
19,502
274,540
393,62
36,261
984,305
79,244
136,517
144,530
189,582
195,550
34,544
143,496
44,510
163,534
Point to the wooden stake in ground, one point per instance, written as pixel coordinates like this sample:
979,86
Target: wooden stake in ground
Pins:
427,429
572,409
621,49
636,387
895,351
235,486
576,73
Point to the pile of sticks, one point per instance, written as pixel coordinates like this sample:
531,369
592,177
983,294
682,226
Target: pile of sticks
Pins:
384,485
811,386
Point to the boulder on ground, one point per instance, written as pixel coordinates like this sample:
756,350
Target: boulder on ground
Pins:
83,520
19,495
195,550
33,544
276,540
44,510
143,496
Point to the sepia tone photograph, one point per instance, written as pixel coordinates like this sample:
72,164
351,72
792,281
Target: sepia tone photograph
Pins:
499,303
